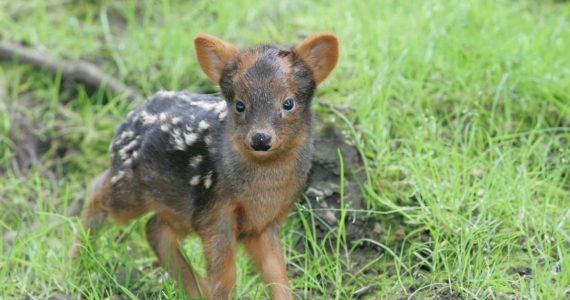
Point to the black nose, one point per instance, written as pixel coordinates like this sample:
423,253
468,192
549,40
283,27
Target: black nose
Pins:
261,141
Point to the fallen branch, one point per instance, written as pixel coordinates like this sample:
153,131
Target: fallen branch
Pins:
80,71
89,74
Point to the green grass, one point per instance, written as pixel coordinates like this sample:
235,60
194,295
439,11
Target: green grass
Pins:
462,113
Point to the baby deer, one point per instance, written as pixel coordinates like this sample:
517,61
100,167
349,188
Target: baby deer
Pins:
227,167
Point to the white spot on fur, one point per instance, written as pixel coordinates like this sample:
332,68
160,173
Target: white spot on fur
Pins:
208,140
117,177
195,180
163,117
125,135
190,138
136,117
147,118
176,120
196,160
135,155
222,115
217,106
166,94
220,107
208,180
127,163
203,104
203,125
185,97
124,152
179,141
164,127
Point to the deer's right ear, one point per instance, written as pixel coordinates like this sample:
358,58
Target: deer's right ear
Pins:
213,55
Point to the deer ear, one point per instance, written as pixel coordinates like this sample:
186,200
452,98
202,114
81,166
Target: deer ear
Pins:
213,55
320,52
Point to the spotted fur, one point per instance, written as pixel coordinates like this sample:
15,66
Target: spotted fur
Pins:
170,127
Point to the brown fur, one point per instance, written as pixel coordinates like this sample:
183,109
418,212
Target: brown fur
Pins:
164,242
320,52
94,214
265,250
213,54
245,60
269,181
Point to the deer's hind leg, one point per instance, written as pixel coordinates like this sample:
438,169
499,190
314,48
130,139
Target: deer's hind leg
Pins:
94,213
99,207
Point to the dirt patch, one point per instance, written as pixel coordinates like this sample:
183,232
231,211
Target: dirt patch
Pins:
433,294
325,190
327,193
27,144
33,145
521,271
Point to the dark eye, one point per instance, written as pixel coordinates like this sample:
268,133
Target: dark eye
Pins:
240,106
288,104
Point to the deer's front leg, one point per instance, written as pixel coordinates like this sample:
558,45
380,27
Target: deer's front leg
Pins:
219,240
265,250
164,242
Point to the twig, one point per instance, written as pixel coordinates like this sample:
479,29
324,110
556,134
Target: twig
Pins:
365,291
343,108
73,70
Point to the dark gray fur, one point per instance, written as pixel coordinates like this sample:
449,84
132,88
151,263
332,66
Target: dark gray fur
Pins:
162,172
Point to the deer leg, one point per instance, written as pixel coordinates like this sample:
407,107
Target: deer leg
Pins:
220,250
94,214
164,242
265,251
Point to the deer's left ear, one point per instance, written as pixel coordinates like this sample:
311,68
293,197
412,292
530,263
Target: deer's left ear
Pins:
320,52
213,55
